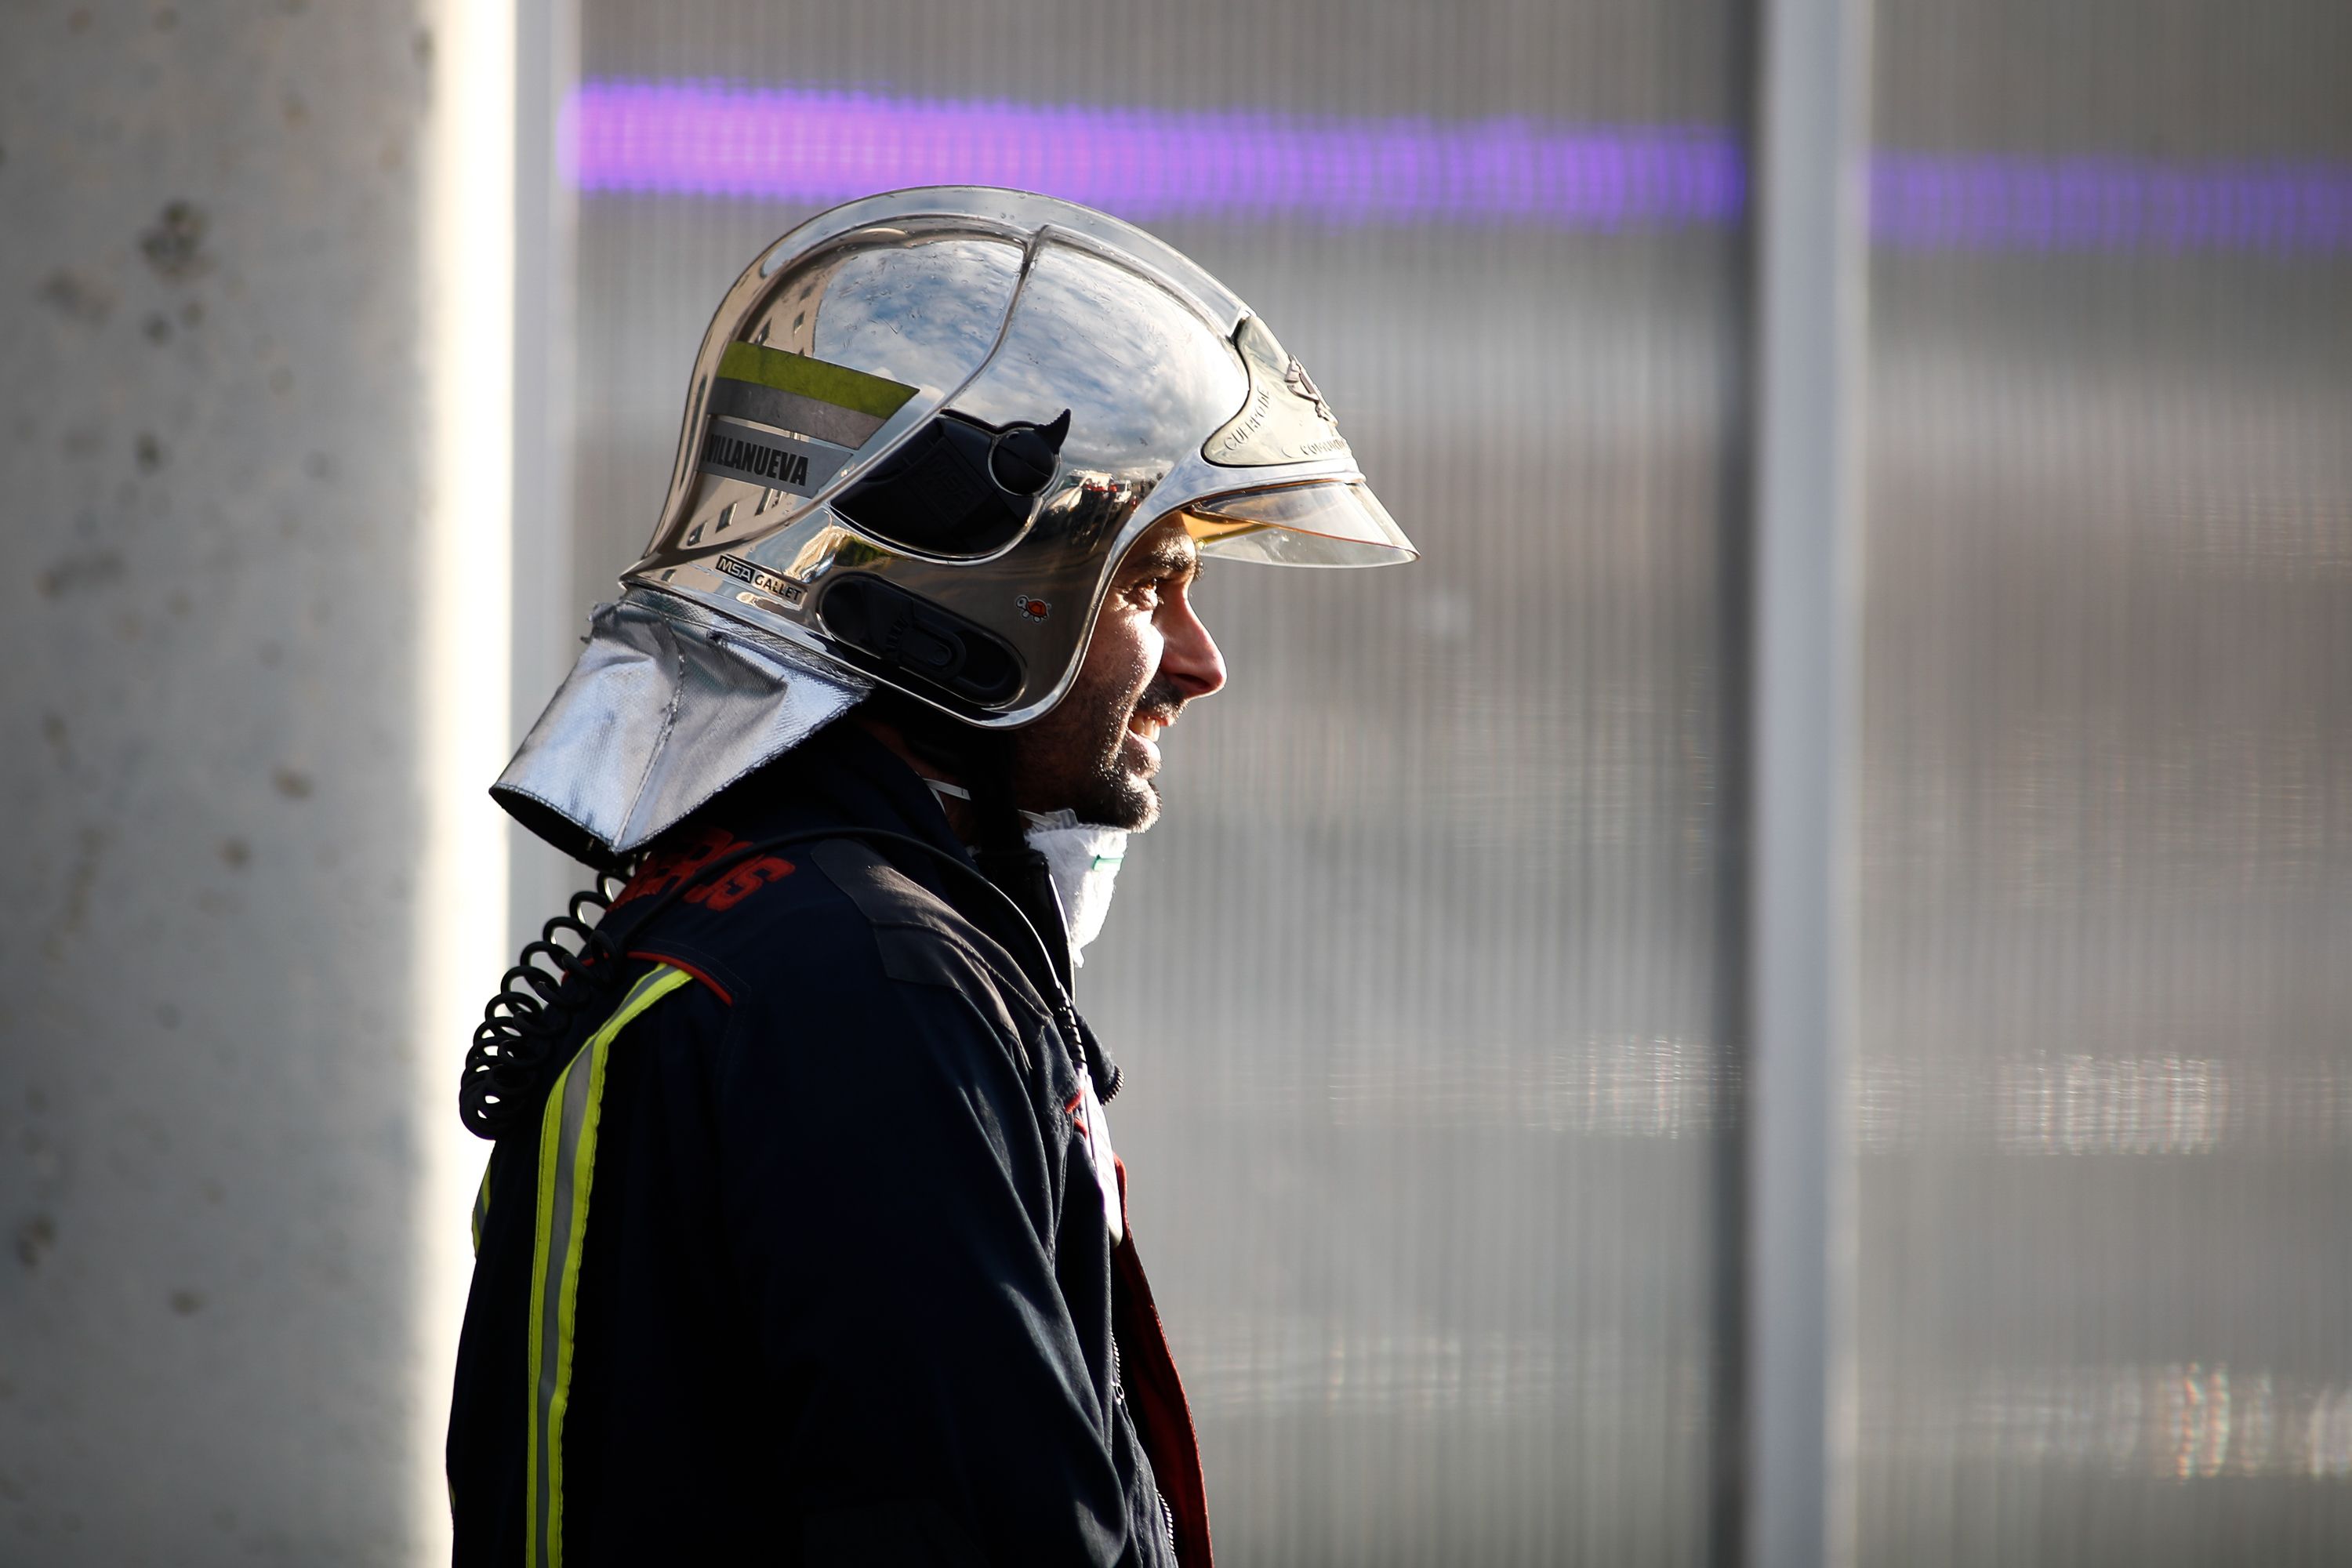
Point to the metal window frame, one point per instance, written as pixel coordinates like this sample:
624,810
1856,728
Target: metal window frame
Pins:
1795,1495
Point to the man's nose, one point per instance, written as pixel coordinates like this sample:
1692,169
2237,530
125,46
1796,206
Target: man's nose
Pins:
1188,654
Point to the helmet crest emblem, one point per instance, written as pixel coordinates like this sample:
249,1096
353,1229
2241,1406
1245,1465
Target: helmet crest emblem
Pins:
1294,375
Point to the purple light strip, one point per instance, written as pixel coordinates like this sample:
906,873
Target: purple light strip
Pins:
1936,201
814,146
820,146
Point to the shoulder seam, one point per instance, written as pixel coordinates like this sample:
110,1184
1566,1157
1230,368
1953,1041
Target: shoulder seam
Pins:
692,971
955,928
1015,988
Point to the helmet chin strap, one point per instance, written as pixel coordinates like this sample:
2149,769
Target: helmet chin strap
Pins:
1023,874
1001,847
1003,852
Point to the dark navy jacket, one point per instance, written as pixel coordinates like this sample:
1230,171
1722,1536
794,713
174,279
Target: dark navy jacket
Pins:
819,1271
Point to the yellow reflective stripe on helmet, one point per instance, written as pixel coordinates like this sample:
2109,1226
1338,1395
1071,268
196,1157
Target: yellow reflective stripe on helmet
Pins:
567,1165
838,385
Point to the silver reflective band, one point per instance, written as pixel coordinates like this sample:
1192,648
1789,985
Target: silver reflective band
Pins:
735,451
567,1169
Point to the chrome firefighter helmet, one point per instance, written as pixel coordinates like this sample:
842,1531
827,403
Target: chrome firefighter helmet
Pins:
920,433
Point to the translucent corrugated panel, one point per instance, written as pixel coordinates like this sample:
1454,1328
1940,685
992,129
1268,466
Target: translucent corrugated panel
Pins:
1416,986
2105,1095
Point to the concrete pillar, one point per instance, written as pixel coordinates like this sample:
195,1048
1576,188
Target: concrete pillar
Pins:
239,930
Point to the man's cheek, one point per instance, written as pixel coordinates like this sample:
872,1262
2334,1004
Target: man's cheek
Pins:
1146,664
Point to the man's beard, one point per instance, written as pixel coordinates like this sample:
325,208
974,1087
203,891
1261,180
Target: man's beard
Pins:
1075,757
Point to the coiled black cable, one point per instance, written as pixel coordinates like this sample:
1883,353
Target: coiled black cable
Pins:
506,1068
535,1007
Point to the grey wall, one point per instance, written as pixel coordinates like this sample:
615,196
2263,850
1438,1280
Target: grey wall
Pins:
209,1117
2104,1139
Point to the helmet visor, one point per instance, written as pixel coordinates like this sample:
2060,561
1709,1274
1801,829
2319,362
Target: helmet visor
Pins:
1327,522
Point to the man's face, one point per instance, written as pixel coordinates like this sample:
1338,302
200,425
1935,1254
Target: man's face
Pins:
1097,752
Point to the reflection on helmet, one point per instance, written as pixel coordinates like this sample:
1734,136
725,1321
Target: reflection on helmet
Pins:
926,418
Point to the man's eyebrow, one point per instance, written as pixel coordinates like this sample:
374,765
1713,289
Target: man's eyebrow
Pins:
1167,558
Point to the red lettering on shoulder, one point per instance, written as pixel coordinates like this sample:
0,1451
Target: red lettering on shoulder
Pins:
673,866
740,883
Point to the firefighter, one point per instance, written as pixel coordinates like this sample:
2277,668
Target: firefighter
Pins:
802,1238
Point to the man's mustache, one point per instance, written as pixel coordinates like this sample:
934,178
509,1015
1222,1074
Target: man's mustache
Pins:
1161,701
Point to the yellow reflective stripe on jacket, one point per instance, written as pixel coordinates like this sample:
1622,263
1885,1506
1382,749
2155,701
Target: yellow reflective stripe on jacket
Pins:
567,1166
482,1201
